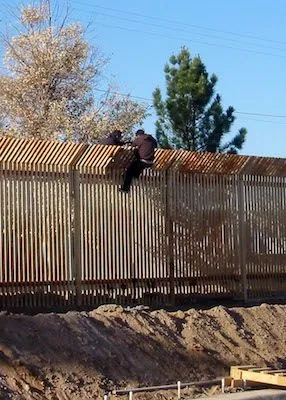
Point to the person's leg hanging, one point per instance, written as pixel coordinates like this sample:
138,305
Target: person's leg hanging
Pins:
131,172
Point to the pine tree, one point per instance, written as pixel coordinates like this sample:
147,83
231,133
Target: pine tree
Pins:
192,116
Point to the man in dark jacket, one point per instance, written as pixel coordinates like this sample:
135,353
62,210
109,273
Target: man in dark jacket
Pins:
113,139
144,152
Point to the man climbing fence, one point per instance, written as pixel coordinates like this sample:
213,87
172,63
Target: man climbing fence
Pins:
144,148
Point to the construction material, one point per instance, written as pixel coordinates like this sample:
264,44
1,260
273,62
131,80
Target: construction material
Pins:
264,394
179,385
240,376
251,374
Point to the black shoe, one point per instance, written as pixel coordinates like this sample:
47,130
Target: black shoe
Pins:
122,190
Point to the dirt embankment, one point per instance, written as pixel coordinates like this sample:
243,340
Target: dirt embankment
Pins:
81,355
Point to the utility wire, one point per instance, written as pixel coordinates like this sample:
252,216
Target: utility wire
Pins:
125,95
261,115
171,21
151,104
191,41
265,121
249,36
189,25
185,39
182,30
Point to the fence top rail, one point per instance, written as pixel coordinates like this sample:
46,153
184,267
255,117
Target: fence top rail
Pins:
38,152
99,158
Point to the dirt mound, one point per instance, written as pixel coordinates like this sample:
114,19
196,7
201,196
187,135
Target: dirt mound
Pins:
82,354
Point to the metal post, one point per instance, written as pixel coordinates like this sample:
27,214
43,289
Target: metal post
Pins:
242,242
75,222
76,239
222,385
170,237
179,390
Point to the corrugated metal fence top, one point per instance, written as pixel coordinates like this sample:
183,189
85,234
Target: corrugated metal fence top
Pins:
217,163
35,152
98,158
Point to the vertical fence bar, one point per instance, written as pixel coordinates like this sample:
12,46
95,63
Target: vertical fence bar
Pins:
170,235
242,238
75,233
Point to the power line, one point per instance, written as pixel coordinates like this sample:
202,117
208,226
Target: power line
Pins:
191,41
249,36
125,95
243,35
265,121
183,30
261,115
188,25
212,44
236,112
183,39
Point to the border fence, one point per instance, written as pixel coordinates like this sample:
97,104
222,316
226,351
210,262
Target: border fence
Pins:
196,225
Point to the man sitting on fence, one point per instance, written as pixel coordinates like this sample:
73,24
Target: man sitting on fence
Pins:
113,139
144,156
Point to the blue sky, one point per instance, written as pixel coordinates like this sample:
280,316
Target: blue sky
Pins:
243,42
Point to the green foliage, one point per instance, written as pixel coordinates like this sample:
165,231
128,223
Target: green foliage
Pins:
192,116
